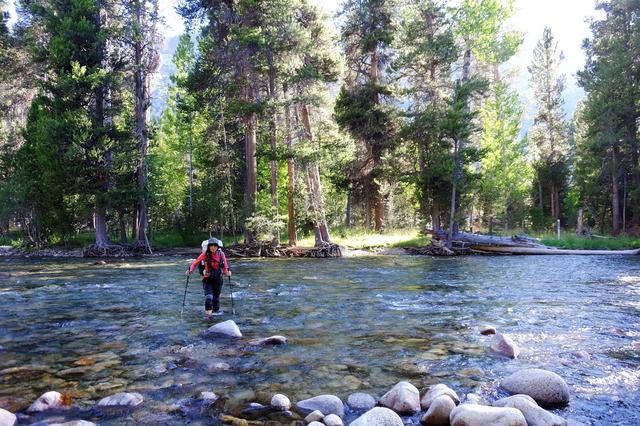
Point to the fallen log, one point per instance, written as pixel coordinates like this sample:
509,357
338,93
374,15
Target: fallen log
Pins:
516,244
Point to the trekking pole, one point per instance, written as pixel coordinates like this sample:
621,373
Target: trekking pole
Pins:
233,310
184,298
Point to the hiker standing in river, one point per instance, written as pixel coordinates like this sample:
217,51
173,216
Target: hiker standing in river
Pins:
215,266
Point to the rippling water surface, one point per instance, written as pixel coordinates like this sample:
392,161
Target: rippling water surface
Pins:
353,324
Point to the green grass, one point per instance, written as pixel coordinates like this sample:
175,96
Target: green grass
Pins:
363,239
571,241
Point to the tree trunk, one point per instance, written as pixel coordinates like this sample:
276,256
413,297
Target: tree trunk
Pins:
580,222
315,187
552,199
251,167
273,142
615,192
141,94
540,195
347,213
123,226
100,226
291,223
435,216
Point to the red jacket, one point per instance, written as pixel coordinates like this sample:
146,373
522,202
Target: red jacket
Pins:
214,262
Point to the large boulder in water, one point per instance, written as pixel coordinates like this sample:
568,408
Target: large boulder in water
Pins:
482,415
502,344
47,401
534,414
122,399
546,387
7,418
226,328
326,404
403,398
378,416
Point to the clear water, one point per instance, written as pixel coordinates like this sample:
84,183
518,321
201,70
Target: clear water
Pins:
353,324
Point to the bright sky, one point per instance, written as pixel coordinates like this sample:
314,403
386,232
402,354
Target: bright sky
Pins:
566,18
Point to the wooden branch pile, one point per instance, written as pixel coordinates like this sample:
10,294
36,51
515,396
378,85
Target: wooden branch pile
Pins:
115,250
267,249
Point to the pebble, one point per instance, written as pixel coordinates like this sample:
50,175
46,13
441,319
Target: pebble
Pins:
326,404
482,415
272,340
226,328
436,391
314,416
7,418
487,330
333,420
504,345
47,401
378,416
535,415
439,411
74,423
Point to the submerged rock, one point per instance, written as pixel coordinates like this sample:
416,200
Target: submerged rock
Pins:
74,423
487,330
403,398
546,387
7,418
439,411
378,416
271,340
207,396
122,399
436,391
326,404
482,415
361,401
226,328
534,414
502,344
48,401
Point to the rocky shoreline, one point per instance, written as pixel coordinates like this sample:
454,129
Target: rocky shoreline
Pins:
532,392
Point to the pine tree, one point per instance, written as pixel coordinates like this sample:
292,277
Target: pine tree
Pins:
549,137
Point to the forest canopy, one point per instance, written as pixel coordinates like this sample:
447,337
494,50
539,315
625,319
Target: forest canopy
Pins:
277,125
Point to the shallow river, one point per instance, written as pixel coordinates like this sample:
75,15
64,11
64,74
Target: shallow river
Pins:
353,324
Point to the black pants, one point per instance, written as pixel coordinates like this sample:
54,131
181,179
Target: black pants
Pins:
212,287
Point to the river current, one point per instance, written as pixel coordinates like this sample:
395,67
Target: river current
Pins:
352,324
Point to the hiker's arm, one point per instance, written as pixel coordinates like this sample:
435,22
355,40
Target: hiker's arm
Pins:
225,270
195,263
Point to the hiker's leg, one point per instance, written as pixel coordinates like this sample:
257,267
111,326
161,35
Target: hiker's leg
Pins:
217,289
207,286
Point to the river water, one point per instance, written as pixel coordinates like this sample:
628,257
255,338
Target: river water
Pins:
353,324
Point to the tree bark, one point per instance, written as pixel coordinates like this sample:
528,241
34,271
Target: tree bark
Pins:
100,226
580,222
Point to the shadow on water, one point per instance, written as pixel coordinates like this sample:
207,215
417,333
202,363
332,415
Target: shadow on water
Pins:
357,324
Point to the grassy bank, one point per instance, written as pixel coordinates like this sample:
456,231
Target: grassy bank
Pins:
359,239
572,241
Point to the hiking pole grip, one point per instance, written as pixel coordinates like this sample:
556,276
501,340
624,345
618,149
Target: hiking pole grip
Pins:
184,298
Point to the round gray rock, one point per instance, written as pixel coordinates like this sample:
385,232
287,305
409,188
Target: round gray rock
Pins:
546,387
403,398
316,423
280,402
315,416
326,404
7,418
378,416
534,414
361,401
47,401
226,328
482,415
504,345
332,420
434,392
122,399
439,411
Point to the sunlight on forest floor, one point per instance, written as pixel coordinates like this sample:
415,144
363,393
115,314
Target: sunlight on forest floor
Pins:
362,239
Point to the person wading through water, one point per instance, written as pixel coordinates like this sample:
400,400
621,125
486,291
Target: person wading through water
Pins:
215,265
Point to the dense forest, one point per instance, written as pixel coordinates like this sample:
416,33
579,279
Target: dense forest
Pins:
277,125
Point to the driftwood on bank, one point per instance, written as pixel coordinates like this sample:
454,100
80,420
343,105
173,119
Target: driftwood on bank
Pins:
468,243
267,249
